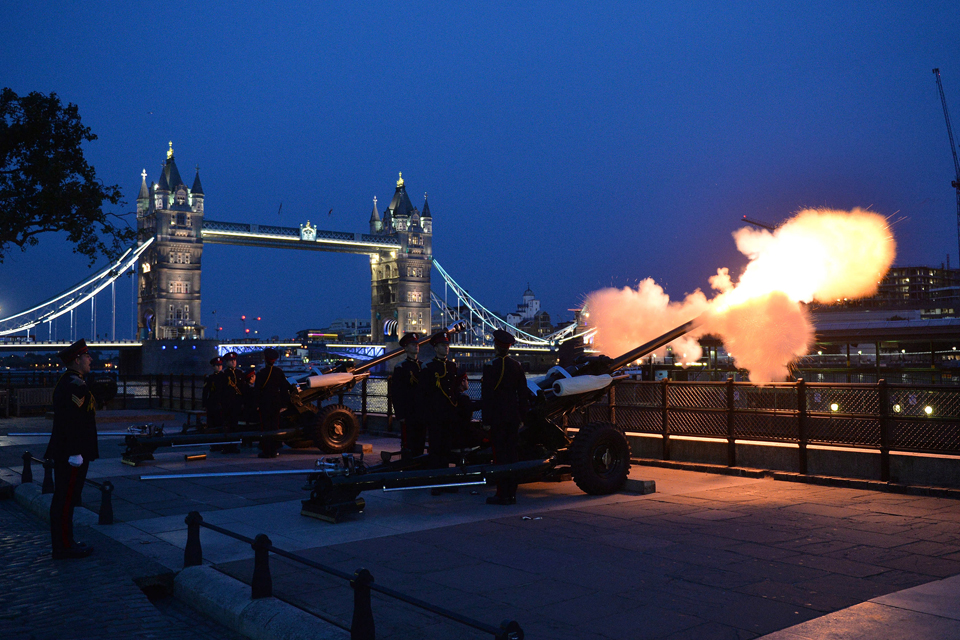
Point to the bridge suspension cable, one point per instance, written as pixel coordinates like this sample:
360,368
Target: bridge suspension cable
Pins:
488,319
74,297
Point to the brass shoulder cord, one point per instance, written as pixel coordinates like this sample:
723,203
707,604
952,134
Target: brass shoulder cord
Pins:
439,386
232,381
269,371
503,367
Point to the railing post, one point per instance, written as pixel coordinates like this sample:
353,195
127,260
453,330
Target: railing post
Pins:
181,407
363,404
390,404
26,476
731,435
170,392
664,418
802,423
125,391
885,424
261,586
106,503
612,403
193,392
509,630
192,553
362,627
47,486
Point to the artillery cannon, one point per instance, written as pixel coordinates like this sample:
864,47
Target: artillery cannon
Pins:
304,422
597,458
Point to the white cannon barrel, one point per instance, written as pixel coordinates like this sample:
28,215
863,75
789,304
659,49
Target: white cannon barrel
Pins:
328,380
581,384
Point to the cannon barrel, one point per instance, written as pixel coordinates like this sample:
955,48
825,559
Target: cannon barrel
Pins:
653,345
370,364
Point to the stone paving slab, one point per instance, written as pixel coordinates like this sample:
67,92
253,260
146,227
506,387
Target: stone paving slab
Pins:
707,556
95,597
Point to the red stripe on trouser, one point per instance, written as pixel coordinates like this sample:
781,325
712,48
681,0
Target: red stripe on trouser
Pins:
64,526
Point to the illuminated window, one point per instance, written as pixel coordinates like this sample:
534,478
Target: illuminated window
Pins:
186,311
414,296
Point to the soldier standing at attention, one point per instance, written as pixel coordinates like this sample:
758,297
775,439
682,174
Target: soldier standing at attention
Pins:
273,391
230,398
504,400
440,393
73,446
404,394
208,396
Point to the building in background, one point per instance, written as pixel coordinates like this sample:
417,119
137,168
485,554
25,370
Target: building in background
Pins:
168,296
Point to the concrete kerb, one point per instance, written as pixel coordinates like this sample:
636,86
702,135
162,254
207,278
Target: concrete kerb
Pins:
790,476
227,601
213,593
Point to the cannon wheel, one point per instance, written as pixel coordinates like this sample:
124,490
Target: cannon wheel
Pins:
600,459
336,429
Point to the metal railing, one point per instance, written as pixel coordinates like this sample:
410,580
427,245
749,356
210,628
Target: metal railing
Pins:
106,487
362,626
884,417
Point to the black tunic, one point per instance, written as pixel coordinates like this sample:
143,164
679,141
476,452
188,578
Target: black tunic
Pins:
439,390
405,390
503,392
74,420
273,390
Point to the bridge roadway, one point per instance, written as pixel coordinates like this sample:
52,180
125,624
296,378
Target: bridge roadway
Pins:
253,235
706,556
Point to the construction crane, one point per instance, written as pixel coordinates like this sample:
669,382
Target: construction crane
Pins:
953,150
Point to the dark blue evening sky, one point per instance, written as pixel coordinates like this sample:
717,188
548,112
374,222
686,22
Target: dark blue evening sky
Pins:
571,145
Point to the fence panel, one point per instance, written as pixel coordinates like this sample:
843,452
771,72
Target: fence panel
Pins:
776,427
840,430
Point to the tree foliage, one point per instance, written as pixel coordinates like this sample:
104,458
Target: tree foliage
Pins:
47,185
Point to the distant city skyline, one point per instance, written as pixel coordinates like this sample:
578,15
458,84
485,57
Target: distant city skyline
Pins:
572,145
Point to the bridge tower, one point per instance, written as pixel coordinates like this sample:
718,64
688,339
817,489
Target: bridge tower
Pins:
168,299
400,278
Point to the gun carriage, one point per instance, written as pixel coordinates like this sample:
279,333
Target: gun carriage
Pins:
597,458
304,421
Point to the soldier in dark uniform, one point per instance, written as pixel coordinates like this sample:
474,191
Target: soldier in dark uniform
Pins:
208,401
405,396
504,400
440,393
248,392
73,446
273,392
229,396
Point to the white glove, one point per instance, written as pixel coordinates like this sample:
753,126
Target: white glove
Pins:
75,461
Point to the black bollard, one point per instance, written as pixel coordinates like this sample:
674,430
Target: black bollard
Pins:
262,584
47,477
192,553
362,627
106,503
510,630
26,476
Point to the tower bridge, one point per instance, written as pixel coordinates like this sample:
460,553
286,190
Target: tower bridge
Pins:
167,263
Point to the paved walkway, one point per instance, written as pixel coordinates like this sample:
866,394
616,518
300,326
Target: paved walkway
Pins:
707,556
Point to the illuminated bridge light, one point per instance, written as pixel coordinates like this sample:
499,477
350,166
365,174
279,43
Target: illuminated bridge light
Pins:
834,406
928,410
897,408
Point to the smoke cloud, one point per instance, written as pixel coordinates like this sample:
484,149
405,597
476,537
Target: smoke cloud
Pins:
818,255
